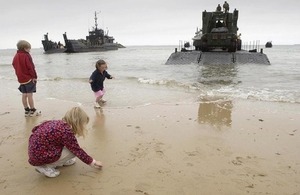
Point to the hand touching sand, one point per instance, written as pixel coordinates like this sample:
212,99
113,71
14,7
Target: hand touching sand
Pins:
96,164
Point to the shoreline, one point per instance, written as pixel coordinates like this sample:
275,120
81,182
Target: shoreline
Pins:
220,147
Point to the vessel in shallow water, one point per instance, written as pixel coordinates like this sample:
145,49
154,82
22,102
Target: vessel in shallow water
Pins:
97,40
218,42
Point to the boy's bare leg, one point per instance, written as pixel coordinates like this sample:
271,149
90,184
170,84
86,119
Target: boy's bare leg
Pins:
30,100
24,100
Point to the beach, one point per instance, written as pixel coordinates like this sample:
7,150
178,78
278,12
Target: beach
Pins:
190,129
215,147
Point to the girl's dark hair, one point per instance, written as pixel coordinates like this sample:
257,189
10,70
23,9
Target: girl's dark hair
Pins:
99,63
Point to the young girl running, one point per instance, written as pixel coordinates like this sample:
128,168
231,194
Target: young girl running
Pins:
97,79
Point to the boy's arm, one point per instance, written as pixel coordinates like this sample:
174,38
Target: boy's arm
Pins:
30,66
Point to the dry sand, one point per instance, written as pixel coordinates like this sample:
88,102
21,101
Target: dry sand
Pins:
222,147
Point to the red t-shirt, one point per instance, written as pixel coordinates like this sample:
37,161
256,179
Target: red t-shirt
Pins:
24,67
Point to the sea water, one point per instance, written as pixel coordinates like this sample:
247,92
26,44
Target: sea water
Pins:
142,78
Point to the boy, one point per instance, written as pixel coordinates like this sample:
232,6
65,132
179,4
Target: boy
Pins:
27,77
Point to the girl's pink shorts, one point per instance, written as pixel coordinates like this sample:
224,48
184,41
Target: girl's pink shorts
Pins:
99,93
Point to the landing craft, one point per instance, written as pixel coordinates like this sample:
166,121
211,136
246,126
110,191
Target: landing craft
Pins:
218,42
97,40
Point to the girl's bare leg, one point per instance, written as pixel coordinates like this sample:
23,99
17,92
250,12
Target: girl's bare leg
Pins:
98,99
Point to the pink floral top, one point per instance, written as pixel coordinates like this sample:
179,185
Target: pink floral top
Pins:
47,141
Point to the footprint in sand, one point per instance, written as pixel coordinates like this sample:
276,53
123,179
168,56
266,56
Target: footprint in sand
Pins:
142,188
237,161
142,150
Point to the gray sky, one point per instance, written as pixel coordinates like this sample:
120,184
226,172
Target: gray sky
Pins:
143,22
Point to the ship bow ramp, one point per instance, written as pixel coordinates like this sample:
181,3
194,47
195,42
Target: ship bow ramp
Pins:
184,57
199,57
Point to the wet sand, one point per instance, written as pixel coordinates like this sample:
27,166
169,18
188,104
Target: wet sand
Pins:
218,147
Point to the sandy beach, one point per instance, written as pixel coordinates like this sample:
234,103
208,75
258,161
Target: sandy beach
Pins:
229,147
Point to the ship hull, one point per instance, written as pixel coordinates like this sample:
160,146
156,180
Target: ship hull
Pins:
75,46
217,58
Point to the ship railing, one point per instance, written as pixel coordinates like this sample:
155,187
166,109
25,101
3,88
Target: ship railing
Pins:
251,46
182,44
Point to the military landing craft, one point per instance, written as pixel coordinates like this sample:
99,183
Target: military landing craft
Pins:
97,40
218,42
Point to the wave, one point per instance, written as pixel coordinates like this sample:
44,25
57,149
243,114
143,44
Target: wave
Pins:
167,83
267,95
63,79
13,77
5,65
228,89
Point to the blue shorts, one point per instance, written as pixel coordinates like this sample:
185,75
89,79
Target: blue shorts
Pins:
28,87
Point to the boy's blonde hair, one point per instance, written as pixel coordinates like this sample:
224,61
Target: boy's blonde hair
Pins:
77,118
22,45
99,63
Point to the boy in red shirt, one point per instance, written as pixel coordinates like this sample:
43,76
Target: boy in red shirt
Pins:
27,77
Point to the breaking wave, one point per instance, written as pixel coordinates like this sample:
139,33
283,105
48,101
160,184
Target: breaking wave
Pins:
62,79
232,90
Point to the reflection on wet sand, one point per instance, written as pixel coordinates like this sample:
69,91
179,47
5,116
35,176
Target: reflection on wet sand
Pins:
216,113
30,123
99,119
218,74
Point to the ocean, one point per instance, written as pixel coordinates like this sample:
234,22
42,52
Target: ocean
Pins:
142,78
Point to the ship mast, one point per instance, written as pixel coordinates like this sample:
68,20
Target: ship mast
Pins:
96,24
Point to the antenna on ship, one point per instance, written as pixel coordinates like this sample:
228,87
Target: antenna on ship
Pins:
96,24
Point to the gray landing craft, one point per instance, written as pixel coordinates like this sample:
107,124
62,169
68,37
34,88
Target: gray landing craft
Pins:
97,40
218,42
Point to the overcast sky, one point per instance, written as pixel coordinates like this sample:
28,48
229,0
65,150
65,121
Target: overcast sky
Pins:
143,22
